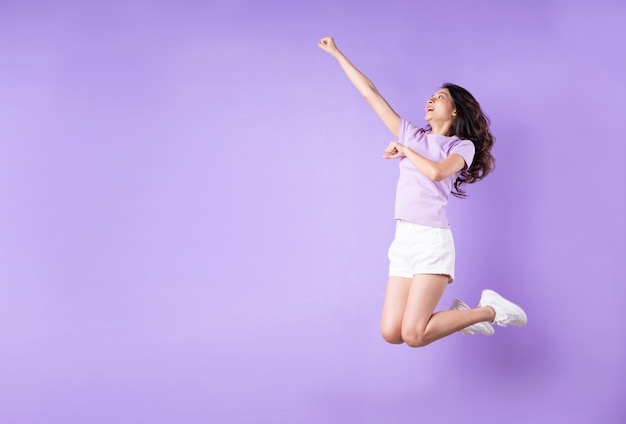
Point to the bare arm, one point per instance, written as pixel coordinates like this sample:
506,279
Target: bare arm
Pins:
435,171
367,89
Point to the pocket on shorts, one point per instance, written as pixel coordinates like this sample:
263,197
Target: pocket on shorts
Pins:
438,242
432,236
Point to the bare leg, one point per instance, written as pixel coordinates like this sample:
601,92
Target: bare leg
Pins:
396,297
420,326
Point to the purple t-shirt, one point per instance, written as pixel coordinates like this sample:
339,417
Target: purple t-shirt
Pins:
419,199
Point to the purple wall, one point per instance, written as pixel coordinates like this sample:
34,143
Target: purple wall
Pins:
195,215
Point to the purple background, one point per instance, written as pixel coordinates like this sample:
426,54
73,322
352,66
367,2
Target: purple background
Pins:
195,215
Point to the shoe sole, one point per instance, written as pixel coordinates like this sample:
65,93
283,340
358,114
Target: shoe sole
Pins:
481,327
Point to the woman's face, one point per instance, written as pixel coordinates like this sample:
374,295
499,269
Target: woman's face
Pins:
440,108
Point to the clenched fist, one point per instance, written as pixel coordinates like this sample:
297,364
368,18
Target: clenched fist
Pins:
328,45
395,150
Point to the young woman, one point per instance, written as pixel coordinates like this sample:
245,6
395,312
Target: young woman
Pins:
453,150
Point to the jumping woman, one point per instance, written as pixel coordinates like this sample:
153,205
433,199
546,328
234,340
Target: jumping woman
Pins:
454,149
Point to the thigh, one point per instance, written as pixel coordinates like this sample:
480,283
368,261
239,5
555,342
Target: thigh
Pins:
424,295
396,297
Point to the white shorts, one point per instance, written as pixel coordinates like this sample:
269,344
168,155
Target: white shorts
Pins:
418,249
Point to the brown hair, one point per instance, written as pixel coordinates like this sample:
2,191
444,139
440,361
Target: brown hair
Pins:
472,124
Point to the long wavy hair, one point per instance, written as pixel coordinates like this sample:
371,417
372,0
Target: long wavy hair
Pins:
472,124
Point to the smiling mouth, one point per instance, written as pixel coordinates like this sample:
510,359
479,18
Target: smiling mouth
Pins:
430,109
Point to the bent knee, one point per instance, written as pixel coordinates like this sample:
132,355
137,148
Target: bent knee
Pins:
391,335
414,338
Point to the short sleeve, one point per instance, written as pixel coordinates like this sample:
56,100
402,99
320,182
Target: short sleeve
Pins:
402,130
407,131
465,149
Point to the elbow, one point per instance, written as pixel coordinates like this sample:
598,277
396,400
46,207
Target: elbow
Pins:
369,92
436,175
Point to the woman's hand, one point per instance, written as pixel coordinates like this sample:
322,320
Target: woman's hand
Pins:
328,45
395,150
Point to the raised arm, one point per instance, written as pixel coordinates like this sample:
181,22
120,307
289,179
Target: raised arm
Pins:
367,89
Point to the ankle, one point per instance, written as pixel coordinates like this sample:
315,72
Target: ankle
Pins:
492,314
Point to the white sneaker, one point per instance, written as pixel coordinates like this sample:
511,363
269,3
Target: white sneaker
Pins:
507,312
478,328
